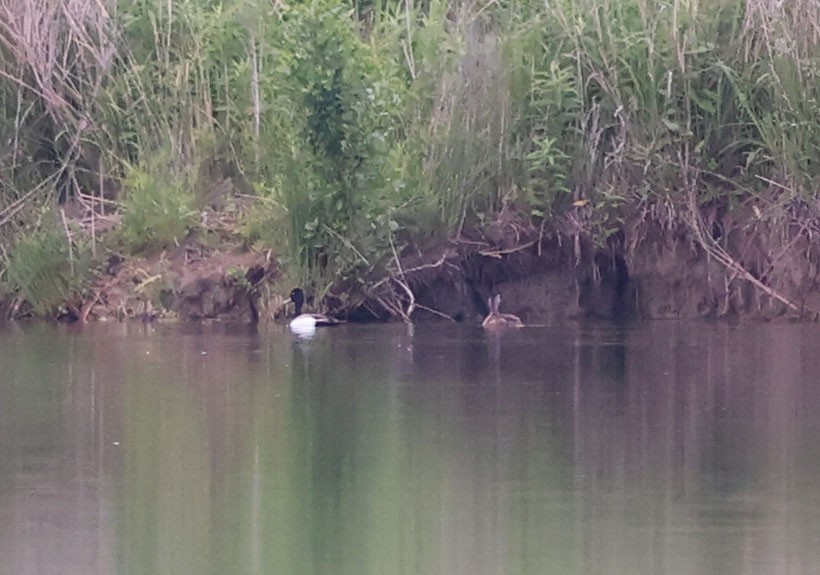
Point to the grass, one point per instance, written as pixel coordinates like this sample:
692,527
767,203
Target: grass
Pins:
48,270
158,210
365,125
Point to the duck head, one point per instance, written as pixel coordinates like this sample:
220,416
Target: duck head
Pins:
297,296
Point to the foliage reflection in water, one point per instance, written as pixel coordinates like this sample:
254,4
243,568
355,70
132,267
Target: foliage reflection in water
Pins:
659,448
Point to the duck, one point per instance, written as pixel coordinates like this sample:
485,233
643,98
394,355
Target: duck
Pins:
304,321
496,319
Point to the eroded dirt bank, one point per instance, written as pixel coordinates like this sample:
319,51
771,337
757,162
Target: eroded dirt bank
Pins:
716,265
739,267
766,276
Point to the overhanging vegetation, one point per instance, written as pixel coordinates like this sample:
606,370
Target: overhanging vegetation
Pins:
364,128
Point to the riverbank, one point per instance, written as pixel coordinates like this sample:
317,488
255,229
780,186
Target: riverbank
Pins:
712,264
626,159
751,262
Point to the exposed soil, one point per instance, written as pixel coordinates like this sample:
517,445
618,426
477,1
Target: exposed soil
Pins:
744,267
736,266
190,283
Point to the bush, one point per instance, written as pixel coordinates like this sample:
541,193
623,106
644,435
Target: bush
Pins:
327,139
48,269
362,123
158,209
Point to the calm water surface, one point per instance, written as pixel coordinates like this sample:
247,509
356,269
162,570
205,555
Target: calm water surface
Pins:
658,448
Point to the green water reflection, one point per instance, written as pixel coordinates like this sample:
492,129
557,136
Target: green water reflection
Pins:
663,448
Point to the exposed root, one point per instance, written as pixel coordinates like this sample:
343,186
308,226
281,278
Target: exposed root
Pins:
87,306
393,292
501,253
435,312
716,251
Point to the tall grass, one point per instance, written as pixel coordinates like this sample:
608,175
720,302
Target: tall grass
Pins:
366,126
158,208
49,269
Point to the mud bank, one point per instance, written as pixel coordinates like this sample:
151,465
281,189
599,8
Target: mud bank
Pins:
743,268
734,268
189,283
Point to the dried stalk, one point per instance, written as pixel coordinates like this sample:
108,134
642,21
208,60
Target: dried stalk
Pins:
716,251
68,238
347,244
406,314
399,278
435,312
499,253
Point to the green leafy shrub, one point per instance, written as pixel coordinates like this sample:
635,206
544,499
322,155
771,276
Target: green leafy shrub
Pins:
327,140
158,209
364,125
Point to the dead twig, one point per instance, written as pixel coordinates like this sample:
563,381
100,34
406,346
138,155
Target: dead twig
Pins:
400,277
715,250
459,241
441,261
87,306
68,238
406,314
435,312
347,244
12,209
391,308
500,253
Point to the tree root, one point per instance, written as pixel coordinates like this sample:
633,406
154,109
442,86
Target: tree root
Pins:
719,253
394,294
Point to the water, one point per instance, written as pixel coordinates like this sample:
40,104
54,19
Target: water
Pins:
657,448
